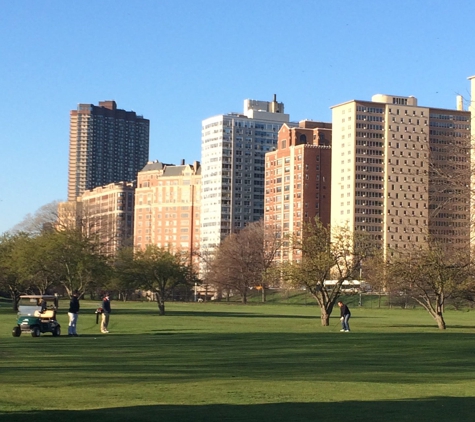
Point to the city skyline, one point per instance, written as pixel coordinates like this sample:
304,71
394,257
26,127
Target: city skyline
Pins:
178,70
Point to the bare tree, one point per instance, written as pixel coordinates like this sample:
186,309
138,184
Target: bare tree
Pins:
245,259
374,273
43,218
430,276
327,255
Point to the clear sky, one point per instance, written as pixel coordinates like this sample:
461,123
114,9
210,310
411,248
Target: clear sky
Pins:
177,62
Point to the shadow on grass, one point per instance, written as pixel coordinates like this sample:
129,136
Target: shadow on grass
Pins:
445,409
433,326
208,314
179,356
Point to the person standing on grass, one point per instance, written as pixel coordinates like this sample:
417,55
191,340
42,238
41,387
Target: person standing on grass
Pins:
106,310
345,315
73,314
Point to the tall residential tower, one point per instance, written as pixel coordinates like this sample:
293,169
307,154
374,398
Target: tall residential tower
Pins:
401,172
298,182
106,145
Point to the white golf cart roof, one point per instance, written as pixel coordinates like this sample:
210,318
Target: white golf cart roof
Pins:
44,297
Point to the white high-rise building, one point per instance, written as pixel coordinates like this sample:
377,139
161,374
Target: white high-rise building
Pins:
233,149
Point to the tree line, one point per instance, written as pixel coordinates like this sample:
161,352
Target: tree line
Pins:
63,259
67,260
255,257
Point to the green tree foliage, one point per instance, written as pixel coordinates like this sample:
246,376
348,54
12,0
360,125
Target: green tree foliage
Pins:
326,255
123,279
65,258
33,263
12,278
161,271
77,260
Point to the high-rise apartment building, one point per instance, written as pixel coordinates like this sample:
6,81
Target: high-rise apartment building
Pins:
106,145
298,181
167,207
472,150
393,164
233,151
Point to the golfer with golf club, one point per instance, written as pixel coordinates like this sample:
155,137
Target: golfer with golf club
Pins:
345,315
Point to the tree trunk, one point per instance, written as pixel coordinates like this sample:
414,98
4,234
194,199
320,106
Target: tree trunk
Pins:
440,322
439,313
263,294
15,295
161,304
325,318
15,302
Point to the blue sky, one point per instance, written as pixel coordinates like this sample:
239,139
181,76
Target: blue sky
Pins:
177,62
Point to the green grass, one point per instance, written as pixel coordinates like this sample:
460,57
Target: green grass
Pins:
229,362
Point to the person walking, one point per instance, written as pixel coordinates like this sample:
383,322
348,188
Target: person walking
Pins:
73,314
106,310
345,315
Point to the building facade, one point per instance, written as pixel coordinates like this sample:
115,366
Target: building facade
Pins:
298,181
108,212
167,207
233,152
391,166
106,145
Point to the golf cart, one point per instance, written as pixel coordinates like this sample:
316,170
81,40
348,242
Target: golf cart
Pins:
36,315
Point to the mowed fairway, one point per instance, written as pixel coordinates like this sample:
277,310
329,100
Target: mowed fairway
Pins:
222,362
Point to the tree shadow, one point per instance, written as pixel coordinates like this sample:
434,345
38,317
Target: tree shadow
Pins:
403,358
434,325
209,314
227,314
447,409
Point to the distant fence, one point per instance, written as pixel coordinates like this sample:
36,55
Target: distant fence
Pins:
372,300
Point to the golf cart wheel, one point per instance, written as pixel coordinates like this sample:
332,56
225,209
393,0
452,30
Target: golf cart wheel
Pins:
16,332
56,331
36,332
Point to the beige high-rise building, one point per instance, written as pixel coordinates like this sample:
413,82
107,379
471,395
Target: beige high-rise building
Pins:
472,151
298,181
167,207
393,163
108,211
106,145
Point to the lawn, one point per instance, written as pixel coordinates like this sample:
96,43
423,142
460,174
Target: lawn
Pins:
228,362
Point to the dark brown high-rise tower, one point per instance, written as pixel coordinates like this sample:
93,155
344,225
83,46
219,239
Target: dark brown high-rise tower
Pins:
106,145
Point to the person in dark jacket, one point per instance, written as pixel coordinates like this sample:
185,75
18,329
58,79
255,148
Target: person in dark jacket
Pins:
345,315
73,314
106,310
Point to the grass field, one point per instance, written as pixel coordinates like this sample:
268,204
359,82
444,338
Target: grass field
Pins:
229,362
